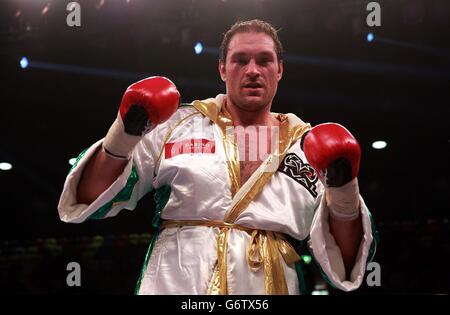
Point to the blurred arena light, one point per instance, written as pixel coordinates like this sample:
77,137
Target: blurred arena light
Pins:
320,288
198,48
5,166
23,62
116,74
307,259
355,65
45,9
72,161
378,145
99,4
436,51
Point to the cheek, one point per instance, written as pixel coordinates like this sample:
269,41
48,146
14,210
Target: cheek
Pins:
274,79
236,79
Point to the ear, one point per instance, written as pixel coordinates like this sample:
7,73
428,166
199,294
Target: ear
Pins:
222,71
280,70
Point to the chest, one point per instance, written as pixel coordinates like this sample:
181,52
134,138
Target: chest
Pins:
254,147
247,168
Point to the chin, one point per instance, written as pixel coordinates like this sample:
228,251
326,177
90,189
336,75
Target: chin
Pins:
253,103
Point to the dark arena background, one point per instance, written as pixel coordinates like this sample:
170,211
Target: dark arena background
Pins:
61,87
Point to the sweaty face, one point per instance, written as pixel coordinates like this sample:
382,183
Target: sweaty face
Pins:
251,71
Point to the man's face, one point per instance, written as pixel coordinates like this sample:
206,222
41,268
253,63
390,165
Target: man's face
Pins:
251,71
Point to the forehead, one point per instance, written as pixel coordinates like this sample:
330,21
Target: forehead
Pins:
251,43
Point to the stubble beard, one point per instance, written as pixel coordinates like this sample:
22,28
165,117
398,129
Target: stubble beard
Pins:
250,105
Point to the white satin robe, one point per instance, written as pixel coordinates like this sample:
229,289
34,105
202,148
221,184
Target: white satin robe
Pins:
183,258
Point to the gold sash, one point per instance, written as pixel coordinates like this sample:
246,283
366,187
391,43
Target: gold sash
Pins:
263,250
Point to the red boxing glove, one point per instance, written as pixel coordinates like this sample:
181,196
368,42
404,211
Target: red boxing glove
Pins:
144,105
147,103
333,152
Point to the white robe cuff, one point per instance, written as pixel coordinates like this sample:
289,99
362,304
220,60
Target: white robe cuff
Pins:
328,255
73,212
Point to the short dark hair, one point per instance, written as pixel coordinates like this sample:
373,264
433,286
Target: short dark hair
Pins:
256,26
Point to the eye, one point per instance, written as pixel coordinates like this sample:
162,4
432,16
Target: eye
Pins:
241,61
265,60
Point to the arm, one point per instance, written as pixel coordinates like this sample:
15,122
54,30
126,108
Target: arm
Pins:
335,154
348,235
100,172
329,256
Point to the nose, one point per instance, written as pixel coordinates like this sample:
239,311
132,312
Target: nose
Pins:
252,69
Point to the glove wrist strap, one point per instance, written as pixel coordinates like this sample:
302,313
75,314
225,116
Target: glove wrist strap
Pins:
343,201
117,143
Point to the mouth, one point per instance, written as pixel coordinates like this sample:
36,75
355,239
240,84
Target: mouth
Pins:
253,88
253,85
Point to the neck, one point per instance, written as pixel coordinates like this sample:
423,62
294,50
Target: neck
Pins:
244,118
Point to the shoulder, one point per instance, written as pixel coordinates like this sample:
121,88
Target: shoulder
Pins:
184,110
155,139
184,113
